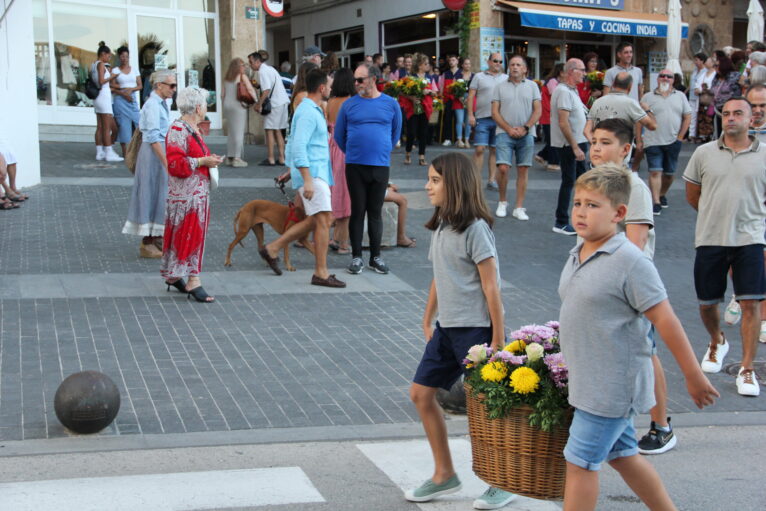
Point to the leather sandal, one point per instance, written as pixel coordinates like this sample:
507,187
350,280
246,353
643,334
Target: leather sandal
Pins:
178,284
199,295
407,159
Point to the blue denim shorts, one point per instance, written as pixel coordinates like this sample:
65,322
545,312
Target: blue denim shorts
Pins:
594,439
663,158
484,132
523,147
711,270
442,362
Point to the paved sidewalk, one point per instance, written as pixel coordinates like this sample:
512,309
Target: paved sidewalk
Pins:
273,352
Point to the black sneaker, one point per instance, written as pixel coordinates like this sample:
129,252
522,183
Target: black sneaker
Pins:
657,209
378,265
657,441
664,201
356,266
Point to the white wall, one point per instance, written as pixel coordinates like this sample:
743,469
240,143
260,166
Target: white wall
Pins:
344,16
18,96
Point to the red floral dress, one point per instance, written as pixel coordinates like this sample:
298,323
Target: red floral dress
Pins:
188,207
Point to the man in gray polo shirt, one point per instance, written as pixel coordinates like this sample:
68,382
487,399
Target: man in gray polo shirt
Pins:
516,108
482,88
624,63
618,105
567,125
726,184
662,147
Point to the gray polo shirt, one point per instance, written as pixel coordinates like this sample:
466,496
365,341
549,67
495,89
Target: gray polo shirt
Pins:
484,85
635,72
460,298
616,105
516,101
669,112
567,98
603,332
731,206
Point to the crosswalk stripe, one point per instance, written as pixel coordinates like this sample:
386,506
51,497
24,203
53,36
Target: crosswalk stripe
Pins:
164,492
409,463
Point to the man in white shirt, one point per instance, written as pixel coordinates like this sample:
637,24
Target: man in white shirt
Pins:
694,99
273,90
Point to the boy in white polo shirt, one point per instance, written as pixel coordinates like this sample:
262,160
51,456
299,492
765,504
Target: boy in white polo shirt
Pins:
607,286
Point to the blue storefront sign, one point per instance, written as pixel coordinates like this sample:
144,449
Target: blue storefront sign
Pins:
617,5
596,24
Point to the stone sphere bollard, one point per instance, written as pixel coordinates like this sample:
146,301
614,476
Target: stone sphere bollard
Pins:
453,401
87,402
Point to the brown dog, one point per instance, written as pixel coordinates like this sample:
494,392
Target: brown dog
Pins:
258,212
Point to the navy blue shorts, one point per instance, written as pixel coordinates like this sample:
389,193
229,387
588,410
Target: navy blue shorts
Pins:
711,266
442,362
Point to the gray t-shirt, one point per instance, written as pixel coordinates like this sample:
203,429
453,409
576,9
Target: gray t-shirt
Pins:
616,105
635,72
484,85
731,207
460,298
640,211
669,112
516,101
567,98
603,332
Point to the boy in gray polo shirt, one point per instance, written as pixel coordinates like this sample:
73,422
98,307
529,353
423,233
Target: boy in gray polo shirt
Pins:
606,287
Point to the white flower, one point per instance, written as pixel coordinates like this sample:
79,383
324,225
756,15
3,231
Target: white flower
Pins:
460,80
477,353
534,351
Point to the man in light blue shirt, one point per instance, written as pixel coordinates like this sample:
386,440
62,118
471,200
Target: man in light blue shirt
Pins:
308,156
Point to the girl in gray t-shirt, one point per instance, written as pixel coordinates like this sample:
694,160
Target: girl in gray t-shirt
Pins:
466,292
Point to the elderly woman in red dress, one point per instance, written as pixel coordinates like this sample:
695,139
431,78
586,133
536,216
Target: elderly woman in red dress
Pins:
188,207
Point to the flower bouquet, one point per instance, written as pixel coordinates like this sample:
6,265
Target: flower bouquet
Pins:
596,79
458,88
518,412
414,87
392,88
539,83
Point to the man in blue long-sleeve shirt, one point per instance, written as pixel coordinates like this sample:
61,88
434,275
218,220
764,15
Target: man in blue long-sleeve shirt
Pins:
366,130
308,156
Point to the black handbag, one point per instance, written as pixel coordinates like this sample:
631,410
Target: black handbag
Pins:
266,105
92,89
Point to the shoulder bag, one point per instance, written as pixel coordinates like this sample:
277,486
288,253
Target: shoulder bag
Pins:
243,95
213,171
91,88
131,152
266,106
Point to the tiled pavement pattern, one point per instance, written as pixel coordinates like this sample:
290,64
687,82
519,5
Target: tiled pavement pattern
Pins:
278,359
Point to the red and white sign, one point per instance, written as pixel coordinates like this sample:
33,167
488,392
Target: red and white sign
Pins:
454,5
274,8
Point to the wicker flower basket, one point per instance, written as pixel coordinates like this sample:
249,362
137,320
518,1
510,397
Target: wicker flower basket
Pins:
510,454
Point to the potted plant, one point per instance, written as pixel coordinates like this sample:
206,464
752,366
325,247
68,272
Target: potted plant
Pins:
518,414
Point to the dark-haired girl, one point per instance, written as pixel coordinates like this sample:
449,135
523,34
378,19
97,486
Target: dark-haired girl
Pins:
127,83
466,292
106,129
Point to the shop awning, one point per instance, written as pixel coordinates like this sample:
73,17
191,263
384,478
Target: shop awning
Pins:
595,21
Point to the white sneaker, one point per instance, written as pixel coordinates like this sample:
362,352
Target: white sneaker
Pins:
747,383
398,144
238,162
460,143
502,209
100,153
493,498
110,155
711,363
762,337
447,143
520,214
733,313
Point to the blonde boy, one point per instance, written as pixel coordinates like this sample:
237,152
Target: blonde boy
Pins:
606,287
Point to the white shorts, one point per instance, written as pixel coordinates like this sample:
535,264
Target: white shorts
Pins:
8,155
320,201
277,119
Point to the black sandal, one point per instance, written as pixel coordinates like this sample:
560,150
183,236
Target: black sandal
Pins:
178,284
199,294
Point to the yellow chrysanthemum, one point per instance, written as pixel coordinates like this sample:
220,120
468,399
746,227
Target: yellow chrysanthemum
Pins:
517,346
494,371
524,380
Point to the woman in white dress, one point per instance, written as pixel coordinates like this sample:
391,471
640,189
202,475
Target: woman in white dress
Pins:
126,83
106,129
235,112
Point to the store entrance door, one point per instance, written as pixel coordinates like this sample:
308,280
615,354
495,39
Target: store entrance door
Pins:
156,40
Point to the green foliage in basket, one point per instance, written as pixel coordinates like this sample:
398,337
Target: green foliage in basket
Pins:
530,371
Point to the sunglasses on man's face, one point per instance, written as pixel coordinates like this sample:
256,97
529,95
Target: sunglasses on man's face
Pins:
666,76
497,61
171,85
361,79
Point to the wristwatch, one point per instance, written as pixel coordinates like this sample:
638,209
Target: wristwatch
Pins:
526,128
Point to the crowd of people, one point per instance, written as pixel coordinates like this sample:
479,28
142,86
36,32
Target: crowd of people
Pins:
598,125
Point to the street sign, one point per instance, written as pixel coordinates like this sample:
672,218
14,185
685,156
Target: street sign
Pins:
251,13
